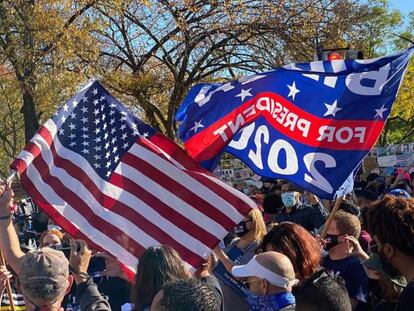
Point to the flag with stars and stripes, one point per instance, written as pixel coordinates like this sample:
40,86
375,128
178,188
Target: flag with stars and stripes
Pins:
309,123
105,176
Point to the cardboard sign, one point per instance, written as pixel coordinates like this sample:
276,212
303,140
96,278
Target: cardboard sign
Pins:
387,161
404,160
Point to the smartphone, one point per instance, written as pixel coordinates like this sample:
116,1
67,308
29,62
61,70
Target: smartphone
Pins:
96,265
64,249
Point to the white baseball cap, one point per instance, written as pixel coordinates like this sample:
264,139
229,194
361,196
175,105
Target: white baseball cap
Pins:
254,268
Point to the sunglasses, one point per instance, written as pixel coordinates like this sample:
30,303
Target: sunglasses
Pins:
247,283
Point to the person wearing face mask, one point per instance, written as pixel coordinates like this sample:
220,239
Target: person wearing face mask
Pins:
270,278
342,257
391,224
310,216
250,233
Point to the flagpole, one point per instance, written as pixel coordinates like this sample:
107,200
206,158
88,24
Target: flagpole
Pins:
8,182
8,286
328,222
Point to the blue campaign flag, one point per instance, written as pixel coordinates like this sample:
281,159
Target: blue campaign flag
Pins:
309,123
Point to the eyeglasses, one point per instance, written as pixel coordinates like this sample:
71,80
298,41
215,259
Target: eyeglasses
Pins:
374,248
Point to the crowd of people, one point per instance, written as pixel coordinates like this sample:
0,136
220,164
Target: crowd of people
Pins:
276,258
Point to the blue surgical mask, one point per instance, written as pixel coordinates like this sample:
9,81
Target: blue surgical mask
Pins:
289,199
269,302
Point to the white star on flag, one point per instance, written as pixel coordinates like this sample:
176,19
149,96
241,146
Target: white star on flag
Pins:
244,93
332,109
380,112
292,90
197,125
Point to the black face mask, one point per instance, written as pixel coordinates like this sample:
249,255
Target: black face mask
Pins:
241,229
388,267
332,240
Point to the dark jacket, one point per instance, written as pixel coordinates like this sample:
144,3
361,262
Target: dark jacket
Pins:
308,216
89,297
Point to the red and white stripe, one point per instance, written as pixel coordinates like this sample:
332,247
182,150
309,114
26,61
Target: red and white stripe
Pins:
157,195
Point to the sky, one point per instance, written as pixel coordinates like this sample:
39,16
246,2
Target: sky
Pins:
405,6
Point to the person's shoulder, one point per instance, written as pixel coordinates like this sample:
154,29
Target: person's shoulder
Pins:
211,280
232,243
251,247
353,269
281,215
350,264
289,308
406,300
325,259
353,263
309,208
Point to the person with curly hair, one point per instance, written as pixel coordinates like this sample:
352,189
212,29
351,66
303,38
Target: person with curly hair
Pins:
322,292
185,295
391,224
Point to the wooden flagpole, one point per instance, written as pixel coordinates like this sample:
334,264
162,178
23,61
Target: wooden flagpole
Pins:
328,222
8,287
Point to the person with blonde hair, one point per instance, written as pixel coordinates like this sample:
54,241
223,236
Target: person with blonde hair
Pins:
250,232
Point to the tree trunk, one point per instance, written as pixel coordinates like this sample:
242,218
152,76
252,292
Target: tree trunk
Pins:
384,135
31,121
170,132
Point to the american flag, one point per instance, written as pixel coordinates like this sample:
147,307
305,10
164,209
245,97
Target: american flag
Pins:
105,176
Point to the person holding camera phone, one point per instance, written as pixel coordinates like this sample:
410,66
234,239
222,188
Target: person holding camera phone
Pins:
48,265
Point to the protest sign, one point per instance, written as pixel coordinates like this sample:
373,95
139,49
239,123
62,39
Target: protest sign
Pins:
386,161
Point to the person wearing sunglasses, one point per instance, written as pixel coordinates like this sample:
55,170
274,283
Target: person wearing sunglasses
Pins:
250,233
342,257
